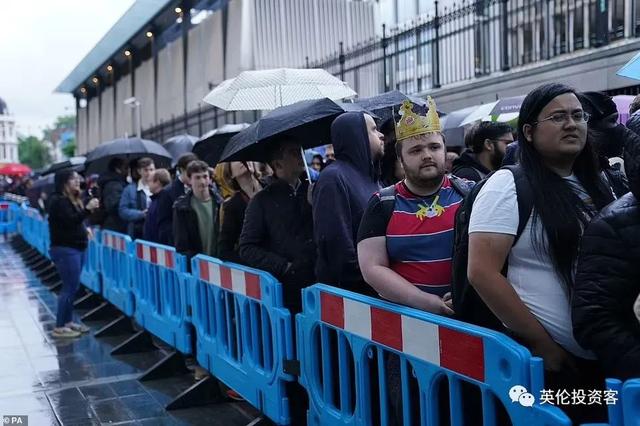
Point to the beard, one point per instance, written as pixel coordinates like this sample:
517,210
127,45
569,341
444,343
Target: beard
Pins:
496,159
422,177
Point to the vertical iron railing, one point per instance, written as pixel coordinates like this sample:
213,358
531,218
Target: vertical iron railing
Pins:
471,39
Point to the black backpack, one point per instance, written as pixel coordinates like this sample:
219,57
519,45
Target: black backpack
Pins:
467,304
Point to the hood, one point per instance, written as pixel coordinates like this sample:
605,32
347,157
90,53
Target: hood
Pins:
351,142
632,161
468,159
633,123
109,177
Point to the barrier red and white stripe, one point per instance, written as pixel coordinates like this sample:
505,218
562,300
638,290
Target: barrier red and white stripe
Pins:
442,346
156,255
235,280
114,241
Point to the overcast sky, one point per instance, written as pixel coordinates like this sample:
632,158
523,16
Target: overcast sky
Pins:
41,42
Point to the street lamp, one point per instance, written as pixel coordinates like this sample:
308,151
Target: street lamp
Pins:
135,104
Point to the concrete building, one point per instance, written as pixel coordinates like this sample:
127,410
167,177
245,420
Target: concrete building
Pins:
168,54
8,137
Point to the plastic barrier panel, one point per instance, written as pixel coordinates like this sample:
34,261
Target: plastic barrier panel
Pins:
90,276
117,270
623,402
160,287
365,361
8,217
244,332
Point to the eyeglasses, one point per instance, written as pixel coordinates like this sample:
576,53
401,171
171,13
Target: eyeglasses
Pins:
559,118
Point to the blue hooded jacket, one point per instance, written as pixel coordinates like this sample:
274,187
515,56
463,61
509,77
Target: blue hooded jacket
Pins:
339,199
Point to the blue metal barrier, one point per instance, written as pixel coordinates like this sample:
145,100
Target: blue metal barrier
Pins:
8,217
346,342
90,276
117,270
160,286
244,332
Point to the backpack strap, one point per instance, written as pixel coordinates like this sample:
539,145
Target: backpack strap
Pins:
462,186
388,200
524,192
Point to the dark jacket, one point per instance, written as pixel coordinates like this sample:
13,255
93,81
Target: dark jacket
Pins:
185,225
66,225
277,237
111,186
151,223
166,199
608,279
339,199
233,211
468,167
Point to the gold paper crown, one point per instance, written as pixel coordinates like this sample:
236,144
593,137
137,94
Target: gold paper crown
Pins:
412,124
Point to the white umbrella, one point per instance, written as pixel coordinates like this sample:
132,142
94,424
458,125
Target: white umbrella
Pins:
270,89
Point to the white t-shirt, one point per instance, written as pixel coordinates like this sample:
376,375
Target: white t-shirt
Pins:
531,274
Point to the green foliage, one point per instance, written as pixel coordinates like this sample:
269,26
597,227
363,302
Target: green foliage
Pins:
69,150
32,152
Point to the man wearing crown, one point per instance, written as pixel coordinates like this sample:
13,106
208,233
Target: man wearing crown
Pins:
405,240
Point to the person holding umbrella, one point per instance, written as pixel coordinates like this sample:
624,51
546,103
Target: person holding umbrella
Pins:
340,197
277,234
69,239
111,185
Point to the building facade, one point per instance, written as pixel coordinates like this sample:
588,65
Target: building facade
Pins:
170,54
8,137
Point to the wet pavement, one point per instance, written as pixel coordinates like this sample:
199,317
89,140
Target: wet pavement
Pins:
77,381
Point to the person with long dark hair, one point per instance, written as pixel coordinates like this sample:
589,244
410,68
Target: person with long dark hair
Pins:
566,190
69,239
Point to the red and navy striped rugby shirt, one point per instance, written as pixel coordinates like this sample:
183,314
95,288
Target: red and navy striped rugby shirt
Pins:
419,247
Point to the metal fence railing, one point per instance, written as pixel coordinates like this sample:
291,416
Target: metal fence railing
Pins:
471,39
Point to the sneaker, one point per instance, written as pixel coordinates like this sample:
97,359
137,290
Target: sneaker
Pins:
80,328
64,332
199,373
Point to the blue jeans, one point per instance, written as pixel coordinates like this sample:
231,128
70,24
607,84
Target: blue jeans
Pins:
69,262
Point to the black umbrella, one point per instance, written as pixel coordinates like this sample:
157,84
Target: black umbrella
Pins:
74,163
178,145
210,146
452,127
129,149
387,104
309,122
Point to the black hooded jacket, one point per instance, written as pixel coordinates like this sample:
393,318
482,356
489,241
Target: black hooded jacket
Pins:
111,186
339,199
468,167
608,278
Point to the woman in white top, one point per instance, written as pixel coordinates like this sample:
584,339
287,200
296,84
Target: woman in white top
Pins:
533,300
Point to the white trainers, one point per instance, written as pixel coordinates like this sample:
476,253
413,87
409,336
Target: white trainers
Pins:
80,328
65,332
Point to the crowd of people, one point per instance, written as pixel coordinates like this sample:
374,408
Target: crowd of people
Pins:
533,232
